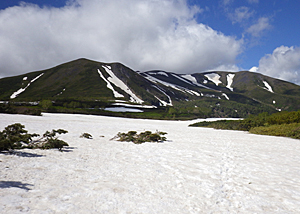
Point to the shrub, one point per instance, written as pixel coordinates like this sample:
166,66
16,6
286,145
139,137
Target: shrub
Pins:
291,130
143,137
16,137
86,135
285,124
49,141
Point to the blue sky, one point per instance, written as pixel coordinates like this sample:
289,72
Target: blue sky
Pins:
182,36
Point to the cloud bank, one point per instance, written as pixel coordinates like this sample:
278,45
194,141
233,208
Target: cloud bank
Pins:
283,63
143,35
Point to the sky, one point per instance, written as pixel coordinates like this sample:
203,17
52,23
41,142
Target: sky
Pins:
181,36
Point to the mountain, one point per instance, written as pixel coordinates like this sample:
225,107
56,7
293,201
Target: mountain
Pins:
84,84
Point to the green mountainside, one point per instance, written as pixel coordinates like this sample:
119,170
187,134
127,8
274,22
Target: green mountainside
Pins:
85,86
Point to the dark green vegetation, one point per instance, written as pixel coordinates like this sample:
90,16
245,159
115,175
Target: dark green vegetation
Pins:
285,124
50,141
84,86
143,137
16,137
86,135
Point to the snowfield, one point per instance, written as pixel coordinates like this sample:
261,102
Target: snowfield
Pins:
198,170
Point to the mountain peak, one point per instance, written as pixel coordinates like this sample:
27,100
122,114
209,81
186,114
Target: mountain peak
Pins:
234,94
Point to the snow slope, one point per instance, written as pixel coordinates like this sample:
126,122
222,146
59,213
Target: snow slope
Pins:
176,87
230,81
268,87
21,90
198,170
117,82
194,80
214,77
109,86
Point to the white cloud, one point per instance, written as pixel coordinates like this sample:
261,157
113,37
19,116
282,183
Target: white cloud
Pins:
283,63
224,67
260,27
240,14
141,34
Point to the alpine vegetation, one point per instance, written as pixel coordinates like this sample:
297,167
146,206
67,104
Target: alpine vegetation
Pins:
142,137
16,137
86,135
286,124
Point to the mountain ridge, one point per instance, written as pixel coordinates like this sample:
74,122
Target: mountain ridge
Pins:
214,93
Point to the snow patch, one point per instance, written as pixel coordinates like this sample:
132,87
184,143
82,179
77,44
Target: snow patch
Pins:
130,105
176,87
119,83
228,172
194,80
163,73
215,78
61,92
121,101
164,103
225,95
209,95
195,93
236,171
108,85
268,87
159,73
123,109
155,80
230,81
21,90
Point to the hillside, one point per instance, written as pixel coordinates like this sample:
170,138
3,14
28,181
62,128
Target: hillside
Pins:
85,86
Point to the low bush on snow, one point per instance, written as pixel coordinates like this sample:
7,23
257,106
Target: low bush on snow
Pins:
16,137
143,137
86,135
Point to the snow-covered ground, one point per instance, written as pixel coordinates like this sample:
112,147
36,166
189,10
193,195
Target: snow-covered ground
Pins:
198,170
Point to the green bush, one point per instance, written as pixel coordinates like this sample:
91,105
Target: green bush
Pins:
285,130
278,124
143,137
220,124
49,141
86,135
16,137
53,143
